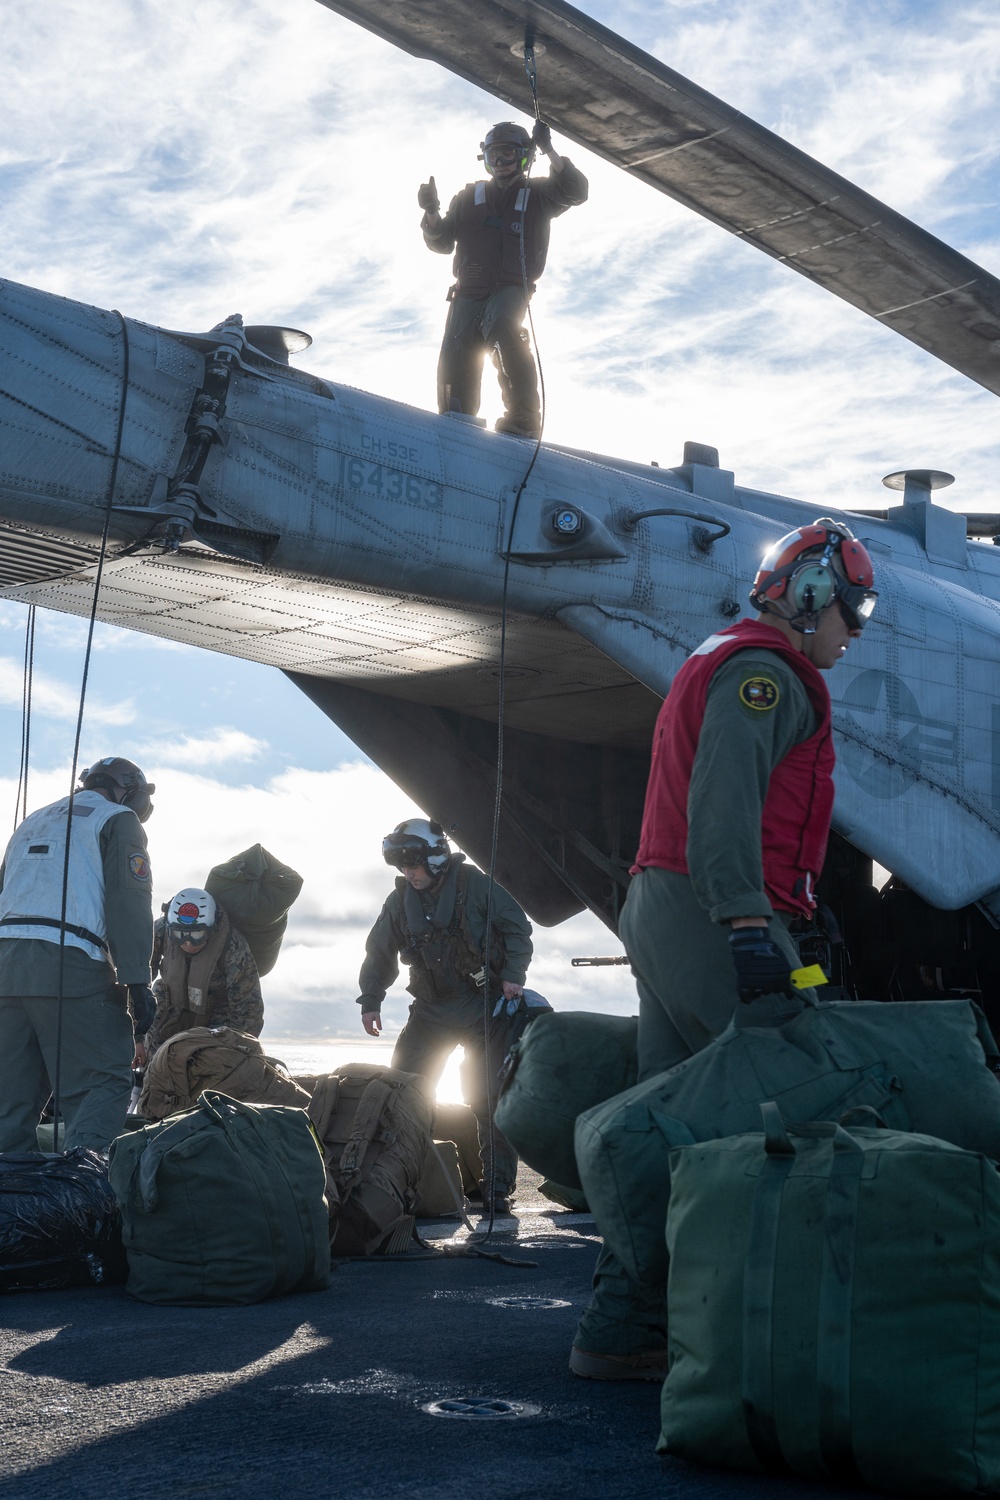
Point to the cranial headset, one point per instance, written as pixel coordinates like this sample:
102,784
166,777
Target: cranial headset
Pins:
799,577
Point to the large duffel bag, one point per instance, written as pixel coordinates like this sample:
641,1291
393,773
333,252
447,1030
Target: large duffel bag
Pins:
924,1066
438,1193
222,1204
213,1057
834,1308
374,1125
256,891
565,1063
457,1123
59,1222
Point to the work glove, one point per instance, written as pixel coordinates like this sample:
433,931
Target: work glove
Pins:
427,197
142,1006
761,967
542,137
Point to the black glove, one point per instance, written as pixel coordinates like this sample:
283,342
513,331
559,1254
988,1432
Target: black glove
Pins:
142,1005
542,137
427,197
761,967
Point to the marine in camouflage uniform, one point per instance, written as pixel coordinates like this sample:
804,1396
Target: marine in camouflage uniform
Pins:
232,998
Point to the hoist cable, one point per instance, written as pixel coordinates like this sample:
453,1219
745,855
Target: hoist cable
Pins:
112,481
21,802
488,1014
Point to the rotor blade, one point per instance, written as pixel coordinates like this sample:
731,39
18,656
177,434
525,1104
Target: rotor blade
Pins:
628,107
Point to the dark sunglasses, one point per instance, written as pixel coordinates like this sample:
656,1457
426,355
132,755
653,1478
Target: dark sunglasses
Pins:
401,859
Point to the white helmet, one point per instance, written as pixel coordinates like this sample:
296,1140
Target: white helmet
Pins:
191,915
416,841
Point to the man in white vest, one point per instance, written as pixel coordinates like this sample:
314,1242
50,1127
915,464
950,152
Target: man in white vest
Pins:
103,934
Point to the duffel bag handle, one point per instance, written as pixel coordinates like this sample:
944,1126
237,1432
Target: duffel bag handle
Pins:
777,1141
778,1136
863,1114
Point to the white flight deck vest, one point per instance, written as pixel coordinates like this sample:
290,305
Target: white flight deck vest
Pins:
33,874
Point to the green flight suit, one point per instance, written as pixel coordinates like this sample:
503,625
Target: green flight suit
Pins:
676,933
448,1008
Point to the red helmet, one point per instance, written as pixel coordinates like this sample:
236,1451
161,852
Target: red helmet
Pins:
812,568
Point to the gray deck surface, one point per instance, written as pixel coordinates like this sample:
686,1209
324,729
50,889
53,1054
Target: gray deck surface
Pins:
323,1395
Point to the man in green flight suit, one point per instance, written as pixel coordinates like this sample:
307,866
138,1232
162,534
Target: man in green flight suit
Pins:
734,834
104,933
435,921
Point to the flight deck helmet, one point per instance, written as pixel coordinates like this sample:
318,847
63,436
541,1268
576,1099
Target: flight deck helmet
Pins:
506,141
417,841
812,568
191,915
123,779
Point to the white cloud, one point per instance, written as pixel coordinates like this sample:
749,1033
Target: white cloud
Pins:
220,747
58,700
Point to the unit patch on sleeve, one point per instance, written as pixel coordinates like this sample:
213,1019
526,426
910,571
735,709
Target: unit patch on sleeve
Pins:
139,866
758,693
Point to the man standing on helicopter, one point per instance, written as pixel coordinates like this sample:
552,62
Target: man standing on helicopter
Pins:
499,230
734,834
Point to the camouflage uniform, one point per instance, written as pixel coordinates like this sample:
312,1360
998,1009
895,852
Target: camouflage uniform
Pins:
234,997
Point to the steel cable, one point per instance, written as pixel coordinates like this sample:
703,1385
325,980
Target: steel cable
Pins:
529,63
112,481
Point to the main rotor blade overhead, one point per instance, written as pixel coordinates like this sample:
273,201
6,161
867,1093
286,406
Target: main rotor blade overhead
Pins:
628,107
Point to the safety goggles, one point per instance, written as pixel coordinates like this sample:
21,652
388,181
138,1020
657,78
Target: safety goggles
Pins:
856,603
503,156
181,934
406,858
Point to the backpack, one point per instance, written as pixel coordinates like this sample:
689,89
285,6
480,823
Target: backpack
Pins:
255,890
924,1065
374,1126
213,1057
222,1204
834,1308
566,1062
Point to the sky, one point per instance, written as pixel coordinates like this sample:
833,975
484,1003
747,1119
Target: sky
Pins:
182,161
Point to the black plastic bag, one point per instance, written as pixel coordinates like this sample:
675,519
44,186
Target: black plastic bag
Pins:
59,1222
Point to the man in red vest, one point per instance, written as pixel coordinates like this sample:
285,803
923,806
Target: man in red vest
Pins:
499,231
734,834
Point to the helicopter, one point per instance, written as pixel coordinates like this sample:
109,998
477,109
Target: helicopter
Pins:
361,546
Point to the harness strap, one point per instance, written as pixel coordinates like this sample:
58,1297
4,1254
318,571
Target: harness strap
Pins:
80,932
758,1294
370,1109
836,1293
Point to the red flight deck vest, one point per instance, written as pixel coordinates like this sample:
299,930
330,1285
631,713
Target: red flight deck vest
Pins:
798,807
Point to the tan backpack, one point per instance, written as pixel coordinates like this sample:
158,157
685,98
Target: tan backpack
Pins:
219,1058
374,1125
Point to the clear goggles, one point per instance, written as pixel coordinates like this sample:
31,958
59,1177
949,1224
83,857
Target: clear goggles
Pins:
503,155
856,603
182,933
